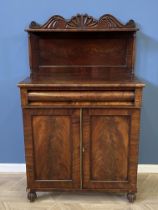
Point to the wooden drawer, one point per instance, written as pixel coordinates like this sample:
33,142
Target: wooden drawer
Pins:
108,97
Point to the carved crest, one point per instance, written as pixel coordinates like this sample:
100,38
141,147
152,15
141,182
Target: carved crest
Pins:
83,22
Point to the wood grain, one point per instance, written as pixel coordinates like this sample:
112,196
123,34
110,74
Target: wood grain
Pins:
53,143
75,50
109,146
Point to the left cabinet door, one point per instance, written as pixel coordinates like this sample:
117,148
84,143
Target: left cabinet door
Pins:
52,147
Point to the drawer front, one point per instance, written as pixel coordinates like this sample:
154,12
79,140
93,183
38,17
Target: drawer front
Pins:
83,98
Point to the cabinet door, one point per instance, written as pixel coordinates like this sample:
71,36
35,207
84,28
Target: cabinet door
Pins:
110,147
52,140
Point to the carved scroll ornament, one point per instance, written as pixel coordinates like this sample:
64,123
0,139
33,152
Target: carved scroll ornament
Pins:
83,22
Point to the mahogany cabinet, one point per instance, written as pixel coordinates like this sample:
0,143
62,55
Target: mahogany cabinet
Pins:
81,106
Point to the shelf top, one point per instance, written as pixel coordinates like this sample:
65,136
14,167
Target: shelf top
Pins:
86,80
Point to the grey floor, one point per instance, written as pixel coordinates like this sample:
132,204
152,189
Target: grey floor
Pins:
13,197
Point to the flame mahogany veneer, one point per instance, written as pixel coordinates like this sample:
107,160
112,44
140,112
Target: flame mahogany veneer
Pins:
81,106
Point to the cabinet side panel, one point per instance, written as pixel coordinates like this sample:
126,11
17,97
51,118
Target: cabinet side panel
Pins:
52,145
109,148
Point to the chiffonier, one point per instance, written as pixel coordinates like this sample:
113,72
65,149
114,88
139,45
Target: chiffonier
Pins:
81,106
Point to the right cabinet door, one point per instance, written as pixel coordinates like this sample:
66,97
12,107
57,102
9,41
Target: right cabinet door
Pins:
110,148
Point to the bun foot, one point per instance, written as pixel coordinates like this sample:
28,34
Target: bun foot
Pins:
31,196
131,197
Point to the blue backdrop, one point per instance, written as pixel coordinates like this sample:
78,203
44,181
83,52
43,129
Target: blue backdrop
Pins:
16,15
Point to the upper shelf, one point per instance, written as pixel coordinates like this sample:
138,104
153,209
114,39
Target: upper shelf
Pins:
110,46
83,23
